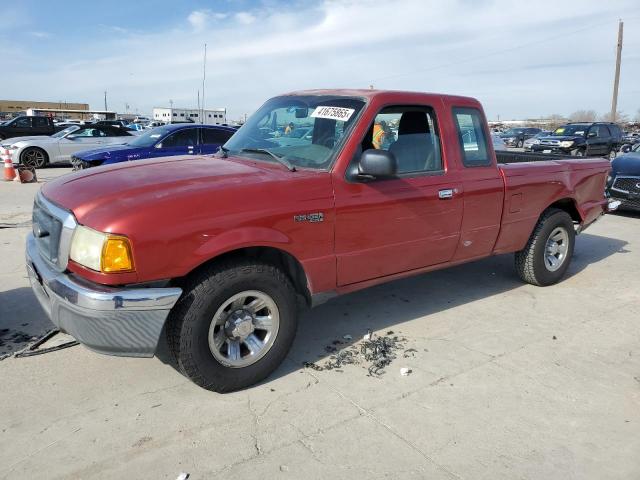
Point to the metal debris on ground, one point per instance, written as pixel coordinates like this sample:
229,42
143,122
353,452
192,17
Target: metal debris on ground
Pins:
373,352
32,349
183,476
404,371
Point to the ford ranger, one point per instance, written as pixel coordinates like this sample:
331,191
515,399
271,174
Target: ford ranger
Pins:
220,250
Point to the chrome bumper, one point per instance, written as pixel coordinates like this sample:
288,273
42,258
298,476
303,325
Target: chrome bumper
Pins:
114,321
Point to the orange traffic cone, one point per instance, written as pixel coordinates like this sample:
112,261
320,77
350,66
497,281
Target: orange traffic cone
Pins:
9,171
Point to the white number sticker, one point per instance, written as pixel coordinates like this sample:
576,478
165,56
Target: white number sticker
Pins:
333,113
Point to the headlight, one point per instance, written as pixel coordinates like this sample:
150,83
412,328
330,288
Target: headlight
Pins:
566,144
102,252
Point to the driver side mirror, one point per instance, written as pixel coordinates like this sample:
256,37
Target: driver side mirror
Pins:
377,164
592,135
158,145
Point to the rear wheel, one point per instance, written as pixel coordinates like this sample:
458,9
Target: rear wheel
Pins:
234,325
547,255
612,153
34,157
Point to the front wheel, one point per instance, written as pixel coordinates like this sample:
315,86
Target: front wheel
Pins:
579,152
547,255
34,157
234,325
520,144
612,154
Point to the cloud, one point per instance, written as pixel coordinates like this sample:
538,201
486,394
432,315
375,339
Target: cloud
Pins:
200,19
516,59
245,18
40,34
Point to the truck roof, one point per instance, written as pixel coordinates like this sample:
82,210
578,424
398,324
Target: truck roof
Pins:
369,94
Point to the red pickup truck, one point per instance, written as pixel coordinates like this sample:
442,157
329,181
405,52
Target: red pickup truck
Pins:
319,193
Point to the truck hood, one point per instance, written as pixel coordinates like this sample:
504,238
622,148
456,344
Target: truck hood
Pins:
105,152
99,196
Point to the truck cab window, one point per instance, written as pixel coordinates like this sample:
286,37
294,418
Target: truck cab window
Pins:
472,137
410,133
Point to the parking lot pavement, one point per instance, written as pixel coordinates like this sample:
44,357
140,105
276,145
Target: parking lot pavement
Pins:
508,381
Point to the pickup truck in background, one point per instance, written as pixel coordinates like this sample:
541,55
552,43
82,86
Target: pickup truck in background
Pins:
220,251
27,126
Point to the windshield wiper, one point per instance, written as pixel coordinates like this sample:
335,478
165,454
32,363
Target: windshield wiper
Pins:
277,158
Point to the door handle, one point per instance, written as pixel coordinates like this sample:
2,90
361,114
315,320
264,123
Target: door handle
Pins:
446,193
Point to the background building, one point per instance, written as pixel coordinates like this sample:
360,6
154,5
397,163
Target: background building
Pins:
217,116
17,106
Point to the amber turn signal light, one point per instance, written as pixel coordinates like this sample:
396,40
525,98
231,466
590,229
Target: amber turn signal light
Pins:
116,255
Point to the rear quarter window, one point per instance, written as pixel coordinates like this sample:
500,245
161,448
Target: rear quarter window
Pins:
472,137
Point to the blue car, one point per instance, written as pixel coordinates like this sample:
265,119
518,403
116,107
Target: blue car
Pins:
167,141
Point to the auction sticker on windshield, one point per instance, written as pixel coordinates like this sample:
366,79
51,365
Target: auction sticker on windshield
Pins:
333,113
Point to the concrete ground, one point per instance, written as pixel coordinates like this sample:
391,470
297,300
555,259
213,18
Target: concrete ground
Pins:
508,381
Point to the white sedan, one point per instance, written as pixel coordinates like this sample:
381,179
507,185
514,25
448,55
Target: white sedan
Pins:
42,150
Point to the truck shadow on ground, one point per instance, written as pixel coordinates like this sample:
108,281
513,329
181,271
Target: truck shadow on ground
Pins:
21,319
387,307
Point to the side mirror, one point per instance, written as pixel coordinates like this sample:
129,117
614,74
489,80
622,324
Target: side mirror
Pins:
158,145
377,164
626,148
591,134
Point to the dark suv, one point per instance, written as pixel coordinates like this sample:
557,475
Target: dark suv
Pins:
582,139
515,137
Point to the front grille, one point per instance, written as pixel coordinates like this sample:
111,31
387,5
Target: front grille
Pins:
550,142
46,230
627,184
52,229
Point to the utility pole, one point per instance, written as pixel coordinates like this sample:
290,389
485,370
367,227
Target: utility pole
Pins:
616,81
204,78
199,111
105,101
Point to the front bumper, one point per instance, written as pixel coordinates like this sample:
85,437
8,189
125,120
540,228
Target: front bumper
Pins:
115,321
552,149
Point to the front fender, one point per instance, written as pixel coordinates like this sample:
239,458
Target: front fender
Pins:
243,237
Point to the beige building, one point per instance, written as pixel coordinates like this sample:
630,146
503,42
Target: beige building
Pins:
15,106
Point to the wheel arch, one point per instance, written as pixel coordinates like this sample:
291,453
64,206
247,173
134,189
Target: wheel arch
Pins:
278,257
570,206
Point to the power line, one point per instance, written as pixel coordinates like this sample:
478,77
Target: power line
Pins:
491,54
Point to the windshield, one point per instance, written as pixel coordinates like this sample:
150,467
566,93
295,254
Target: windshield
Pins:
513,131
305,130
150,137
66,131
574,130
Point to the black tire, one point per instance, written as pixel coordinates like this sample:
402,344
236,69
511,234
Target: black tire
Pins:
34,157
520,144
190,320
530,262
579,152
612,153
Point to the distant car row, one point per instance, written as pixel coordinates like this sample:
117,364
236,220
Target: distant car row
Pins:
578,139
96,144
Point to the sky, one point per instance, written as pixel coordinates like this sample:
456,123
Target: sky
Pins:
521,59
